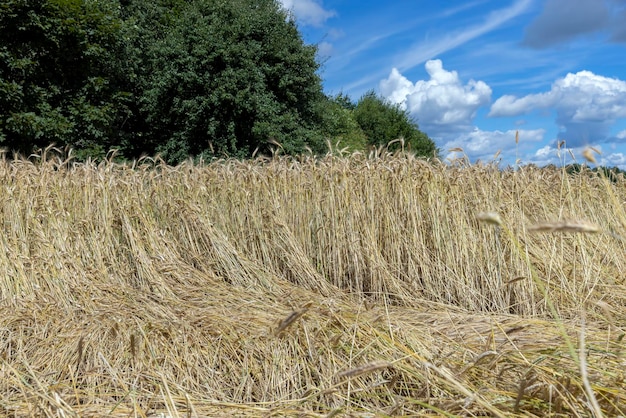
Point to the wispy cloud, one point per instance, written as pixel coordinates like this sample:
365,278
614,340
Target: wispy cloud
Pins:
510,65
423,51
554,66
308,12
465,6
396,29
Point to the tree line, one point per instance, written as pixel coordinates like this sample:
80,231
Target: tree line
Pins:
179,78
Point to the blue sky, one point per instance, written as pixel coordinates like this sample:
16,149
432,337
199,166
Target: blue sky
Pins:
473,73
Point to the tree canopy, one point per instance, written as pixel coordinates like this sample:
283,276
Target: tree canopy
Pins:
175,77
61,75
384,122
224,78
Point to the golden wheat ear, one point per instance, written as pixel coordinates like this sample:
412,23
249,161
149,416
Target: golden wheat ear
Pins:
338,285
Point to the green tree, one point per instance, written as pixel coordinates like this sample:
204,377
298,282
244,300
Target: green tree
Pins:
383,122
218,77
339,126
61,76
177,77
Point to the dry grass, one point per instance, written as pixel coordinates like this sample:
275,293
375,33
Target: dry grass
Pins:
315,287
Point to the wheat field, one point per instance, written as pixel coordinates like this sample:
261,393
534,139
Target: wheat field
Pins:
357,286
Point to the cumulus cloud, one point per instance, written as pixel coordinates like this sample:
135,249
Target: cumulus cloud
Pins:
586,104
545,154
440,104
616,159
550,154
563,20
439,43
308,12
483,145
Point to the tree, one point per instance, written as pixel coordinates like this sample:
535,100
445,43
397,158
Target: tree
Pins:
224,78
183,78
339,125
383,122
61,78
177,77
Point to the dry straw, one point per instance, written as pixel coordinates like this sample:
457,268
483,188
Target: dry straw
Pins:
143,289
364,369
565,226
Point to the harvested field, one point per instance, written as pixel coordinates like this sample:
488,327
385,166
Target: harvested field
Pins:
339,286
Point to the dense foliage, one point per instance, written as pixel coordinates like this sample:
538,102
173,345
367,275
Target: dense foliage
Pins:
179,78
61,75
224,77
384,122
611,173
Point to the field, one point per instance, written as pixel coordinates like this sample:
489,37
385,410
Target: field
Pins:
340,286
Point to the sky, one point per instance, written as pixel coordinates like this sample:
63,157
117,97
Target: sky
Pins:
474,73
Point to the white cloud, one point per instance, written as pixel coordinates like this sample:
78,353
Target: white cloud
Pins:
324,50
616,159
427,50
621,134
483,145
549,154
437,44
545,153
586,105
441,104
308,12
613,159
585,94
509,105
